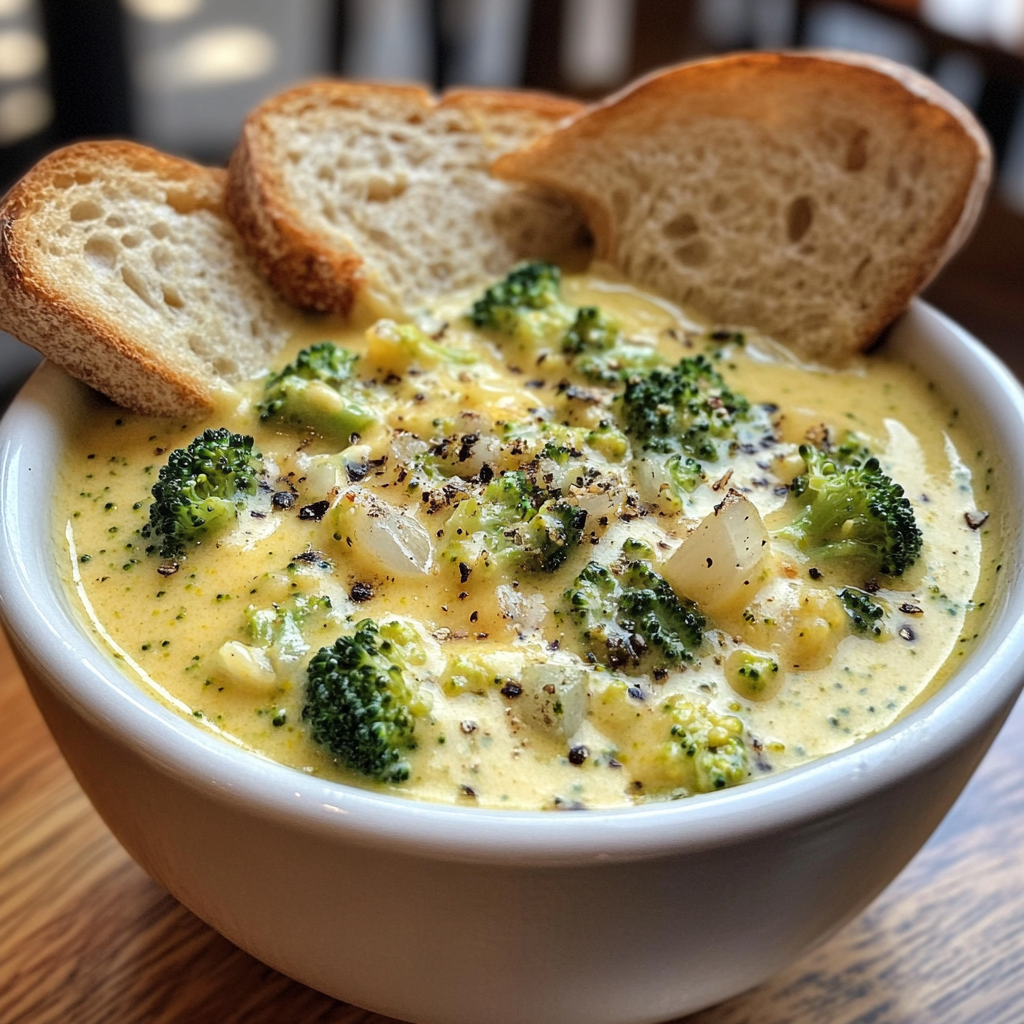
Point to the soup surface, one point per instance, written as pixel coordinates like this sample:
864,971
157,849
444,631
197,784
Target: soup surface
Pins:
573,575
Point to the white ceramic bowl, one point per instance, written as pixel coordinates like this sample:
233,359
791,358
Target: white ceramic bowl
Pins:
459,915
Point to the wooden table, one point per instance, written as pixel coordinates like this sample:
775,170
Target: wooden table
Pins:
86,937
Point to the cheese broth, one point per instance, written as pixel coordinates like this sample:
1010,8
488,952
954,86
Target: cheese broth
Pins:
481,744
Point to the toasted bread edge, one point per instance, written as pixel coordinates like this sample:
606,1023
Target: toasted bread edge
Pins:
87,343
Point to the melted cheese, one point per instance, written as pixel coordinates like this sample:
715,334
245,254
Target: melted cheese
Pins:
185,637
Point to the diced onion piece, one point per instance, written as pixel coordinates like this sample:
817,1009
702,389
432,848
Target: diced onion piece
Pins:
356,460
720,563
525,611
246,665
485,450
556,695
651,482
602,498
322,473
385,535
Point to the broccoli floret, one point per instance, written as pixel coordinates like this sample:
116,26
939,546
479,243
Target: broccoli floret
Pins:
685,475
282,625
684,410
359,705
853,511
850,452
510,496
609,441
637,549
752,675
526,305
599,351
550,536
478,671
591,331
201,489
318,390
632,616
865,614
558,453
677,747
513,526
713,742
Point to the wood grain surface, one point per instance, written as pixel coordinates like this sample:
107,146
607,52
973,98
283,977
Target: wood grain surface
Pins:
86,937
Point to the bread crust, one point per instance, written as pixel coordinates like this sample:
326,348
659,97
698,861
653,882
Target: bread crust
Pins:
83,340
740,86
148,352
308,271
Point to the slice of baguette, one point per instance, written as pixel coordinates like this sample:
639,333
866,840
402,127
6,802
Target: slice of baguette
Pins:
118,263
382,192
808,196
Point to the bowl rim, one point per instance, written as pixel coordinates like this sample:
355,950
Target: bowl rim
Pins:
53,642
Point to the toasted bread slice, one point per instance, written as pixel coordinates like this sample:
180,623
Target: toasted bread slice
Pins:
118,263
382,192
807,196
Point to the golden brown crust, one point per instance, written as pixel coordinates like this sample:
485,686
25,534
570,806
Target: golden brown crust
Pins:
84,340
304,272
301,266
542,105
747,86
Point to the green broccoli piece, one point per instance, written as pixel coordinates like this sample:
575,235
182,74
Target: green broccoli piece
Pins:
526,305
510,496
853,511
687,410
598,350
677,746
558,453
591,331
713,742
282,625
359,705
637,549
547,538
514,527
752,675
607,440
850,451
632,616
865,614
668,482
685,475
201,489
479,671
318,390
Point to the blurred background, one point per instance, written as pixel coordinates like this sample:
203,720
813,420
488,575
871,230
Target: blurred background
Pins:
181,74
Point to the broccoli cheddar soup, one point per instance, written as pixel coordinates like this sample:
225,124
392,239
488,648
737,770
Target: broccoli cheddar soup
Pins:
549,546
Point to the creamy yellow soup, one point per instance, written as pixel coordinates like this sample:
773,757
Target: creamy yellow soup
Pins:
514,700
